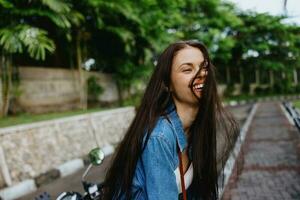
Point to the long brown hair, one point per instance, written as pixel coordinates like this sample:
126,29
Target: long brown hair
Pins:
202,136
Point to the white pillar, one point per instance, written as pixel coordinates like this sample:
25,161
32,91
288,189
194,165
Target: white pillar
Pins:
295,77
283,75
4,168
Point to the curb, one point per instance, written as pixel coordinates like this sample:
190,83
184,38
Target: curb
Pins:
262,99
287,115
70,167
228,168
18,190
65,169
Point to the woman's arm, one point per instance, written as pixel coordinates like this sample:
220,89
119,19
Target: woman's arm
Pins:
158,162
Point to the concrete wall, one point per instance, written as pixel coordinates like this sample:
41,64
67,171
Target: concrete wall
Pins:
107,82
44,89
48,89
33,149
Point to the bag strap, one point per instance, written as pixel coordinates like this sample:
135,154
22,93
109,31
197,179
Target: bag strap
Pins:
181,175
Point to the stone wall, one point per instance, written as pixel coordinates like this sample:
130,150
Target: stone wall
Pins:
1,103
33,149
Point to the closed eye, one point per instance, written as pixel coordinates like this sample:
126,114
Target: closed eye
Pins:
187,69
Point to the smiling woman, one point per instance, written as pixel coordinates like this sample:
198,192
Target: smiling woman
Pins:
188,75
170,148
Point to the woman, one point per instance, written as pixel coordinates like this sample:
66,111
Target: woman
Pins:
178,118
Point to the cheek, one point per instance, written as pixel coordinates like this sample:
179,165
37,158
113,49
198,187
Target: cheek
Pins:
180,83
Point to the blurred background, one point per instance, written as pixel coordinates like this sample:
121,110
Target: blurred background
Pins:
72,72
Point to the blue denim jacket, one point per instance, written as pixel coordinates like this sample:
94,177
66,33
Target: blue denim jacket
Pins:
154,177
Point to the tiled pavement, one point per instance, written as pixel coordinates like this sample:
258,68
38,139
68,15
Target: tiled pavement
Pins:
269,165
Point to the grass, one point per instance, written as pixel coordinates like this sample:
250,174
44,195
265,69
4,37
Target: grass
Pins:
297,104
25,118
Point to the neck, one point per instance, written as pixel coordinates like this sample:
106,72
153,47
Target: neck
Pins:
187,114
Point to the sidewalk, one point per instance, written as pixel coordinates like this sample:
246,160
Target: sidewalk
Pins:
270,159
72,182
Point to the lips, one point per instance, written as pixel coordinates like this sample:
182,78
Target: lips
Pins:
198,84
198,87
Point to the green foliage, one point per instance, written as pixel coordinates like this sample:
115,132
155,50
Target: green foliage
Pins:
267,43
284,87
229,90
263,90
125,36
25,118
6,4
296,103
57,5
34,40
94,89
245,88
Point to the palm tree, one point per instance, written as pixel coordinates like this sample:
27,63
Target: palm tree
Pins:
19,35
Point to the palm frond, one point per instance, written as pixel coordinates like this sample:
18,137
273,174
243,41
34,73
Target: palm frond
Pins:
57,5
75,17
36,42
6,4
58,19
10,41
24,37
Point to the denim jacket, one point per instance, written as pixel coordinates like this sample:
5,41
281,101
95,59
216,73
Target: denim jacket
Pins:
154,177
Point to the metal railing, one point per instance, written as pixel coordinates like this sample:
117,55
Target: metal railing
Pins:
293,112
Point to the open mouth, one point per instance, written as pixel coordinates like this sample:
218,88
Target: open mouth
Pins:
198,87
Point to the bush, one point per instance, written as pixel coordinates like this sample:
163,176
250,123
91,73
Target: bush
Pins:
229,90
262,90
94,89
245,88
284,87
297,88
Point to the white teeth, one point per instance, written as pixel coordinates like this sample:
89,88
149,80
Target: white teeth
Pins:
199,86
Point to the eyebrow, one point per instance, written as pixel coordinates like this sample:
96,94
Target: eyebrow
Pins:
190,64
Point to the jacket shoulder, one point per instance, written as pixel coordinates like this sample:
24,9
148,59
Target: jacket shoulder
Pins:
164,129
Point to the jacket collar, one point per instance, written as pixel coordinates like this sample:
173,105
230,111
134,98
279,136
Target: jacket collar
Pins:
177,126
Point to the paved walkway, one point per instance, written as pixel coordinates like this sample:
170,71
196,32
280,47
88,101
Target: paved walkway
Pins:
72,182
270,159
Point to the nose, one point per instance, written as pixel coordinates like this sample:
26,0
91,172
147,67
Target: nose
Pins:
201,75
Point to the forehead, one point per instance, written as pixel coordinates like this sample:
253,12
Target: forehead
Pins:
188,55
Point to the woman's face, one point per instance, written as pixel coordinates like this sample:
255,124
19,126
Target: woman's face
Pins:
186,64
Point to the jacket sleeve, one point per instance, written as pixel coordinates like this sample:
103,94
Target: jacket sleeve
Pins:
159,168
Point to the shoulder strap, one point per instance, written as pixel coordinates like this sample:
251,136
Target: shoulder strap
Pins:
181,175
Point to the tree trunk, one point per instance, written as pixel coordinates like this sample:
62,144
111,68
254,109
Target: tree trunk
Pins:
257,77
6,84
241,75
228,75
82,89
120,94
271,74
